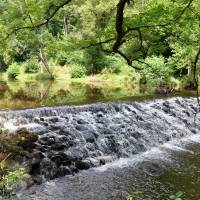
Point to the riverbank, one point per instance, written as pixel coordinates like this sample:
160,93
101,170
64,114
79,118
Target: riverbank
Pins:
27,92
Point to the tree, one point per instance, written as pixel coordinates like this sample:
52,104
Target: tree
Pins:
133,29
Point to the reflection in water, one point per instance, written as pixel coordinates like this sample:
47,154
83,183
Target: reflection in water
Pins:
20,95
3,87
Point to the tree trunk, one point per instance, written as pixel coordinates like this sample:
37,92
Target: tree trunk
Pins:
119,24
44,61
66,26
196,74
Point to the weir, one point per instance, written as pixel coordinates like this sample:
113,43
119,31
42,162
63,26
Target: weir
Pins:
74,138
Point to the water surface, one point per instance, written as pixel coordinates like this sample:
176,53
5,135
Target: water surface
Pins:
32,94
178,160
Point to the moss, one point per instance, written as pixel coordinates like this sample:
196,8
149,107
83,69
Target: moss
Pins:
17,142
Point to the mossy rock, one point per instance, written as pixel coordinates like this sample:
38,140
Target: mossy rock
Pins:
17,142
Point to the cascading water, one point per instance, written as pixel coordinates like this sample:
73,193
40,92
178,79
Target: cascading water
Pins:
76,138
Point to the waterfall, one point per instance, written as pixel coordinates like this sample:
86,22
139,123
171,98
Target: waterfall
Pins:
73,138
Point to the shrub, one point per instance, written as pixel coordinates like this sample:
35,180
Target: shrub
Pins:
77,57
115,64
156,69
62,59
188,83
13,70
31,66
95,60
77,71
3,65
13,181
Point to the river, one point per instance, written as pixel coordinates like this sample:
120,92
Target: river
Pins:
107,151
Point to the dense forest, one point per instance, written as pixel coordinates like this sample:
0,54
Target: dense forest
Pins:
157,39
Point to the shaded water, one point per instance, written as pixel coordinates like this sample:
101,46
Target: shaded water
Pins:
179,162
118,180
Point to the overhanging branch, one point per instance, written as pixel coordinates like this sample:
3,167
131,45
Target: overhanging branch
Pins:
45,22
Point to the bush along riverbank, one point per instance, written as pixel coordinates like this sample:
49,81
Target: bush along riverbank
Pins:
109,69
13,172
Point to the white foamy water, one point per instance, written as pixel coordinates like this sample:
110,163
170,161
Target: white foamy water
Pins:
160,153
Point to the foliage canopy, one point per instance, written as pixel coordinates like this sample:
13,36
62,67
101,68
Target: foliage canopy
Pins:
137,30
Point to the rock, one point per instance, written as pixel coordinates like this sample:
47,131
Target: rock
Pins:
152,169
166,109
137,135
74,169
48,169
63,138
62,171
76,153
89,136
83,164
53,119
100,114
94,162
25,139
61,158
105,159
36,120
38,155
57,125
42,119
39,129
91,147
47,139
194,131
37,179
81,127
68,131
107,131
35,161
45,123
81,121
40,147
57,146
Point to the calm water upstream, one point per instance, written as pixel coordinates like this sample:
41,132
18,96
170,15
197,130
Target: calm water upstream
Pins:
22,95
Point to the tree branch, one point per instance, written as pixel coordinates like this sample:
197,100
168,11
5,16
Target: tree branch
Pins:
129,61
164,24
45,22
98,43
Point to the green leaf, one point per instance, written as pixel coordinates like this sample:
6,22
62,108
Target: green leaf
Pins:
172,197
179,194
